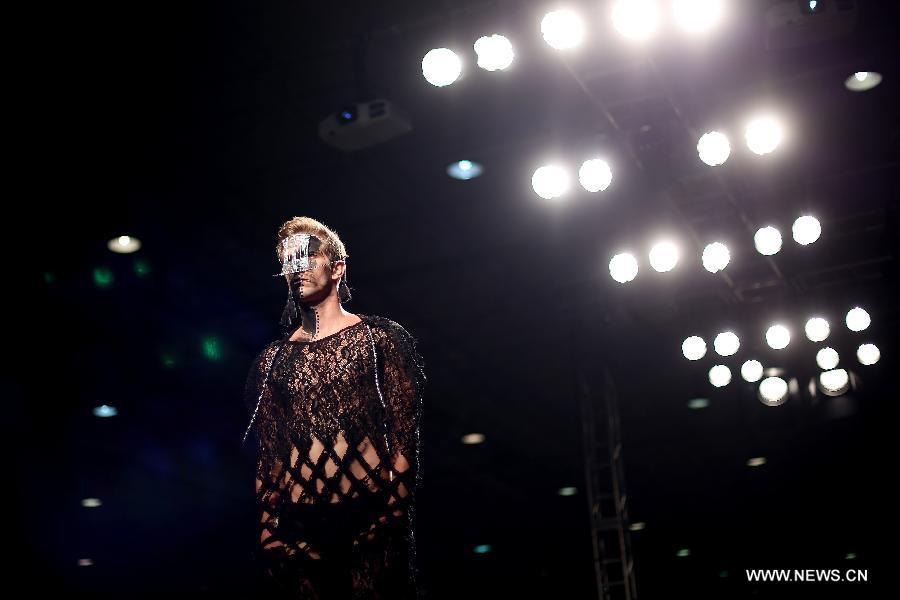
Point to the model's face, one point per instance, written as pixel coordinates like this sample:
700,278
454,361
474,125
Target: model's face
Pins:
315,281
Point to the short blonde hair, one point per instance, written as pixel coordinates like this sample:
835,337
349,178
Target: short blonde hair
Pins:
332,246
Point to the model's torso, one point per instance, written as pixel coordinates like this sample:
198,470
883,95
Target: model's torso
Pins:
328,388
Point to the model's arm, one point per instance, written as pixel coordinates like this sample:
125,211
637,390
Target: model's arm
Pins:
402,392
258,399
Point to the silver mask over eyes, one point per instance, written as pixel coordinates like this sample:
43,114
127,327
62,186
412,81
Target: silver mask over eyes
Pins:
296,250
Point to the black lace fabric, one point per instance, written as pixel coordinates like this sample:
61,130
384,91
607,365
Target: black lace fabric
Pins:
337,428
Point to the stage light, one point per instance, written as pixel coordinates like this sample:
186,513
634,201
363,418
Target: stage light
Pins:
817,329
763,135
813,6
595,175
720,375
473,438
562,29
726,343
715,257
778,336
868,354
91,502
756,461
773,391
124,244
623,267
806,230
464,170
550,181
663,256
698,403
567,491
862,81
103,277
441,67
752,371
827,358
857,319
834,382
636,19
103,411
767,241
713,148
697,16
693,348
494,52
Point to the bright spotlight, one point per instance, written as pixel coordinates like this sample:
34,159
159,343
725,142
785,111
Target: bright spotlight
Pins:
441,67
124,244
817,329
715,257
726,343
562,29
464,170
623,267
862,81
664,256
494,52
834,382
595,175
693,348
105,411
697,16
473,438
720,376
763,134
778,337
752,371
767,241
868,354
773,391
713,148
550,181
636,19
827,358
806,230
858,319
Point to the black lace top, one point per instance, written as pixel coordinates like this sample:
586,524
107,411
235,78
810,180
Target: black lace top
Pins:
337,425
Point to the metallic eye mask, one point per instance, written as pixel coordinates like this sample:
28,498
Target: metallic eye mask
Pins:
296,250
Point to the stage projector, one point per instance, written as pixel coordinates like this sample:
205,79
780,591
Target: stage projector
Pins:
364,124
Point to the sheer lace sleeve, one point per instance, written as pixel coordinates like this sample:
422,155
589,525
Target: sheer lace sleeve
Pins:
402,378
267,422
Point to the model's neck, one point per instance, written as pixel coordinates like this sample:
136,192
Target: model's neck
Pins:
330,312
321,318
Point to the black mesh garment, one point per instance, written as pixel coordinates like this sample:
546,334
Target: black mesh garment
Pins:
337,424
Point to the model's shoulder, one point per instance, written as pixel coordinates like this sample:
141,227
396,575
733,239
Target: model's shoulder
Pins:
268,350
384,324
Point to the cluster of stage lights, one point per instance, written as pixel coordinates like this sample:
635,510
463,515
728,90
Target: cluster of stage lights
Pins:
665,255
563,29
762,134
443,66
553,181
636,20
773,390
